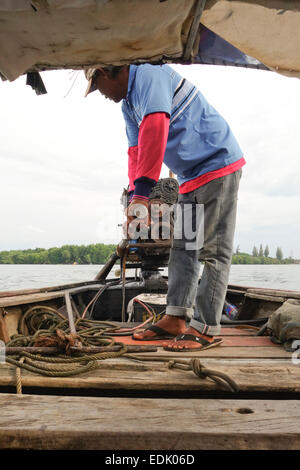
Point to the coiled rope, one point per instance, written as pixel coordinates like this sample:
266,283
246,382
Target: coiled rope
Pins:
58,366
45,326
40,324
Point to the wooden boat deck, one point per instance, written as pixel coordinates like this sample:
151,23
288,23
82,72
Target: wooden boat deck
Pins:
126,404
254,362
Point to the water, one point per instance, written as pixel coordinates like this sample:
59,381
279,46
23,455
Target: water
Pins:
13,277
27,276
274,276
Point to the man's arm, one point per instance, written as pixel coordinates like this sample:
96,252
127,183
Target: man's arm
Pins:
132,165
132,132
152,141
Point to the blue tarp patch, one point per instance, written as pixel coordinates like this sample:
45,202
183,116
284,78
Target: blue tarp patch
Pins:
214,50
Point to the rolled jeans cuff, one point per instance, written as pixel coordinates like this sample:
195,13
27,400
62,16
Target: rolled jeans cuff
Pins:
205,329
175,311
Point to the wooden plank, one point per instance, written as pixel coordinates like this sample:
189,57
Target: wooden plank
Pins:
228,341
68,423
288,294
239,331
247,341
123,374
30,298
4,336
240,292
13,293
275,352
267,298
12,320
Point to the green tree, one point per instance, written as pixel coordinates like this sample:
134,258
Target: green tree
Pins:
267,251
55,256
279,254
254,252
5,258
65,255
261,251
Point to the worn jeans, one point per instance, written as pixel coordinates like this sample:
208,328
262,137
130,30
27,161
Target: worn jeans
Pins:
203,302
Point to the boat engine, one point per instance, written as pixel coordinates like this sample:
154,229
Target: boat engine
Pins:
150,251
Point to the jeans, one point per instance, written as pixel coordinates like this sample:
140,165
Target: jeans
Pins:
203,301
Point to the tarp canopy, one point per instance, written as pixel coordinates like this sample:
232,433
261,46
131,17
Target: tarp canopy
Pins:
268,30
38,35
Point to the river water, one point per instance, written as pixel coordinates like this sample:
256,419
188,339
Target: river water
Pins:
19,276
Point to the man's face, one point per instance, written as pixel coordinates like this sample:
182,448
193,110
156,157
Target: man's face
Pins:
112,88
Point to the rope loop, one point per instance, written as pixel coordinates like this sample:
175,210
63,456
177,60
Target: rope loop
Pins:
219,378
198,368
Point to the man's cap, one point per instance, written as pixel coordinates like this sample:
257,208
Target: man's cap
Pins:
90,75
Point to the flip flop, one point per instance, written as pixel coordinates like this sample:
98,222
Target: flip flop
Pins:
161,334
203,343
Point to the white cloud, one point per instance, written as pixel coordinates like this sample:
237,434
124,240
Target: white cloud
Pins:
64,159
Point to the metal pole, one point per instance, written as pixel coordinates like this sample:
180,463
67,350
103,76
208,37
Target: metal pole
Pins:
11,350
70,312
194,29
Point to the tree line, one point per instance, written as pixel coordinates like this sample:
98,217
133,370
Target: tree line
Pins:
261,256
99,253
67,254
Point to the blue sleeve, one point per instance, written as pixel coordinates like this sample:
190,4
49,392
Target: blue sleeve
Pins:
155,91
132,129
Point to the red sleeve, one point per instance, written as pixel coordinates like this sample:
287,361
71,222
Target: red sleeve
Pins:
132,164
152,141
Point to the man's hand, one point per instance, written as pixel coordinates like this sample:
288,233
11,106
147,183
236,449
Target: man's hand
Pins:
137,221
137,208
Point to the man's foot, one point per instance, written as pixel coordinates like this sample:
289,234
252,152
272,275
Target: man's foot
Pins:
172,326
191,340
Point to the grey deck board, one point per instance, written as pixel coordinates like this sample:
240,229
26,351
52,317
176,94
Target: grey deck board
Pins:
52,422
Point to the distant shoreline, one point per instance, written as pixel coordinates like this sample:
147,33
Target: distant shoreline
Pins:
67,254
246,258
99,253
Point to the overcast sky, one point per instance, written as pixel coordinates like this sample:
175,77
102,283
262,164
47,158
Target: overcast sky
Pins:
64,159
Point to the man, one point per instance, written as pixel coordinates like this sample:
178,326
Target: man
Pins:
168,119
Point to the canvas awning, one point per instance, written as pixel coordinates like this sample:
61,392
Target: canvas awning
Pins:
38,35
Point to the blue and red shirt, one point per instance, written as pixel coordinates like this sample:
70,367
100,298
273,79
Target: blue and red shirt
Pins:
169,120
